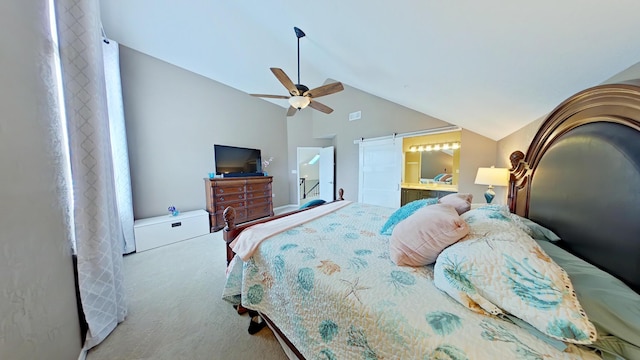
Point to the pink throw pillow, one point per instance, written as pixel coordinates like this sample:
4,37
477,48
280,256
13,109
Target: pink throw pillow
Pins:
419,239
462,202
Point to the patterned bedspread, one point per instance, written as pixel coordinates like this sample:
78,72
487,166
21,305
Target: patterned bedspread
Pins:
331,288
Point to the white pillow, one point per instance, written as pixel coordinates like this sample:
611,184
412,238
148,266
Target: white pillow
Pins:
498,268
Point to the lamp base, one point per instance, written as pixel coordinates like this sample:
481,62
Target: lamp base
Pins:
489,195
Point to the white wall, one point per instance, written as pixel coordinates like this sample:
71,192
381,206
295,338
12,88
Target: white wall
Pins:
521,139
174,117
630,73
310,172
38,313
380,118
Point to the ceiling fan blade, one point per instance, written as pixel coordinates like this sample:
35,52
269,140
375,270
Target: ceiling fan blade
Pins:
284,79
320,107
292,111
325,90
270,96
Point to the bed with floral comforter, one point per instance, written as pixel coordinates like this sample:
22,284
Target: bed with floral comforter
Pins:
332,289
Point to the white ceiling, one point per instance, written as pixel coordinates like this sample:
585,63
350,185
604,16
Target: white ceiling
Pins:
490,66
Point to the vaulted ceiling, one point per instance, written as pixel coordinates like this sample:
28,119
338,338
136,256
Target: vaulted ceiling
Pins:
490,66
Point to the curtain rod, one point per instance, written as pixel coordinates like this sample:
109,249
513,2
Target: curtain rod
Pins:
433,131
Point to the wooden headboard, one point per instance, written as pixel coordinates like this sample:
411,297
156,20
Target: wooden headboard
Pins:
580,178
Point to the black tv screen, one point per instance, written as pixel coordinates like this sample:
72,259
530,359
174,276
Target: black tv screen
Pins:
237,161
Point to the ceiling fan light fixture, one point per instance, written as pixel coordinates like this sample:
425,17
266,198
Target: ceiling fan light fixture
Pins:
299,102
301,96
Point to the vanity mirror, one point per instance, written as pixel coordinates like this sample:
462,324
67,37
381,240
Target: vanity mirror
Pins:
432,160
436,167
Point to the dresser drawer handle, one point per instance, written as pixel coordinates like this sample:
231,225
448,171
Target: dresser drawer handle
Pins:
221,198
176,224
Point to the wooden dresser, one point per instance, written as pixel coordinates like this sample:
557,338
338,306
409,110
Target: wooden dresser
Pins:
249,196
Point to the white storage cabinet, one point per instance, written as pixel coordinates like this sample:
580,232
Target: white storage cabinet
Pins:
162,230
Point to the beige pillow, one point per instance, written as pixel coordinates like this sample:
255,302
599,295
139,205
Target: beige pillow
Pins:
418,239
462,202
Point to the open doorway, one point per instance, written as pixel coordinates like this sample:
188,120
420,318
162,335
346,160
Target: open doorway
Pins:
316,174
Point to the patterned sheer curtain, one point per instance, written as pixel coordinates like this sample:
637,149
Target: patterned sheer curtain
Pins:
97,227
119,150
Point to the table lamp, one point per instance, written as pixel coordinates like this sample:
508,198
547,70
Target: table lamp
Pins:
492,176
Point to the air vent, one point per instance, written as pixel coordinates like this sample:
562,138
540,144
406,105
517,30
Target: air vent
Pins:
355,115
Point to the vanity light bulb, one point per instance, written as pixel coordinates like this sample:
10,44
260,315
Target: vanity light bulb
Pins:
445,146
436,147
412,149
429,148
455,146
420,148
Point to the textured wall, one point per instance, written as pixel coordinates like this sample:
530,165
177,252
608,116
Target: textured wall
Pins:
38,315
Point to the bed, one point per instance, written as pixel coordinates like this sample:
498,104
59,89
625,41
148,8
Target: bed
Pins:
329,289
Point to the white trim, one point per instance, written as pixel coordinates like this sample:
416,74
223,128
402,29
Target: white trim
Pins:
439,130
83,354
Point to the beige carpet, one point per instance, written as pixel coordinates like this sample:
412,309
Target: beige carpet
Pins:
175,309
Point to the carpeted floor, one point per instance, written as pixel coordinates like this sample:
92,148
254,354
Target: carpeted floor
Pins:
175,309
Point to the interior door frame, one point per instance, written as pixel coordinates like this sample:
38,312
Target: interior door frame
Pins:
319,149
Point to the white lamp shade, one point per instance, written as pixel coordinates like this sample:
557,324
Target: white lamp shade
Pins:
492,176
299,102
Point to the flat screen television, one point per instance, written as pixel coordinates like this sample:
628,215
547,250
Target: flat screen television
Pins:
232,161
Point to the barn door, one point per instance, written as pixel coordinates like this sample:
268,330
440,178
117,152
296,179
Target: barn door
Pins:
380,172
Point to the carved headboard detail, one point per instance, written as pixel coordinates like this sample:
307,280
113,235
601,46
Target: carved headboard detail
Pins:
615,103
580,177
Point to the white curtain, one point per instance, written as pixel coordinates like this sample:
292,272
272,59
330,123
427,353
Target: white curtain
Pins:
119,151
98,229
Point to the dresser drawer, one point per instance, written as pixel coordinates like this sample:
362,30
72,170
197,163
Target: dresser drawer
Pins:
259,211
258,201
234,204
227,189
259,194
228,198
258,186
241,216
